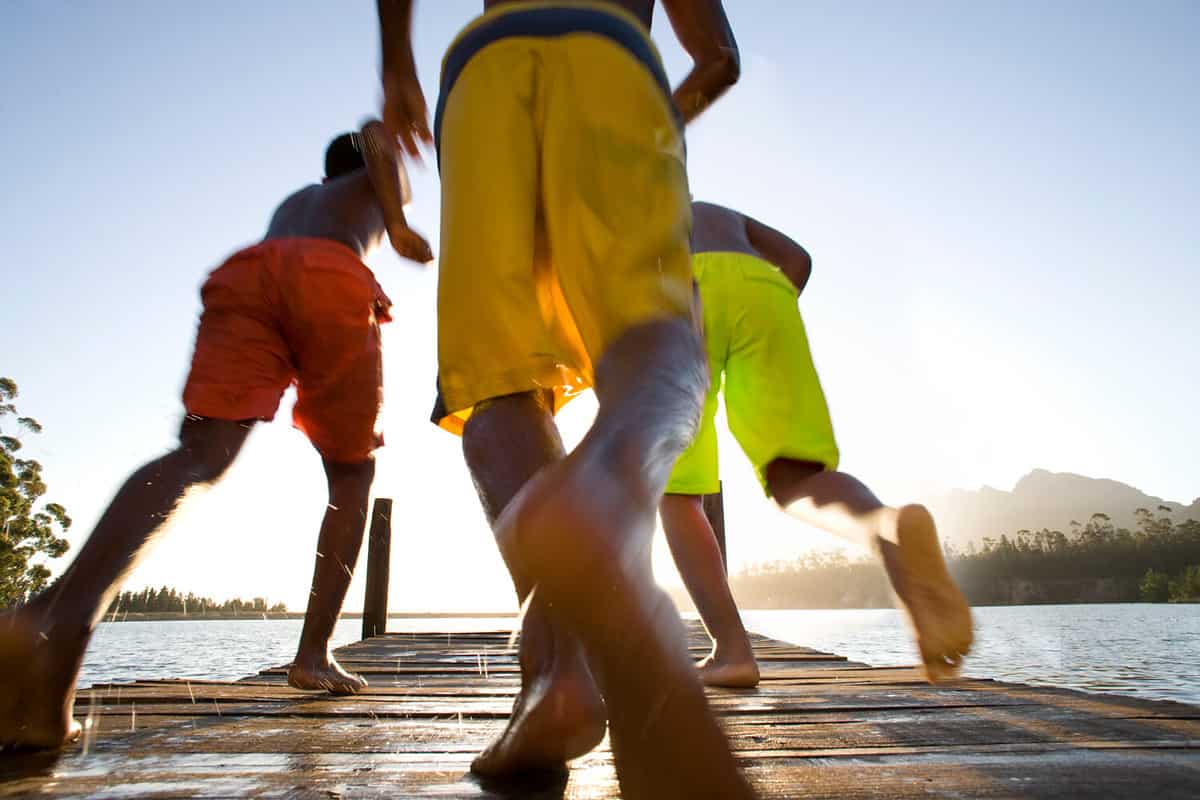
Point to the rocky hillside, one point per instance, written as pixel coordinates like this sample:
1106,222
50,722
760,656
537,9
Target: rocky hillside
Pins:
1044,499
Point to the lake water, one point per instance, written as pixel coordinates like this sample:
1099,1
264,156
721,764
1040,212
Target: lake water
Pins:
1146,650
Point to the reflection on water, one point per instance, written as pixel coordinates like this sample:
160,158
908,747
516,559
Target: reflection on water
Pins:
1146,650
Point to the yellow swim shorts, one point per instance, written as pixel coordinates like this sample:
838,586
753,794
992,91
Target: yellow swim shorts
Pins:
773,398
565,205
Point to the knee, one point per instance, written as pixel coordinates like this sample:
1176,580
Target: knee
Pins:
204,467
784,476
666,351
206,461
351,478
207,447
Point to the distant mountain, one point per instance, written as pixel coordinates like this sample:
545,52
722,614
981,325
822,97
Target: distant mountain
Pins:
1044,499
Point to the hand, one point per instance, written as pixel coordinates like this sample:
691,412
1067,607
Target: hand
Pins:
409,244
405,114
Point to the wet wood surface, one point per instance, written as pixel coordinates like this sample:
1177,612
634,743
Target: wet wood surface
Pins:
817,726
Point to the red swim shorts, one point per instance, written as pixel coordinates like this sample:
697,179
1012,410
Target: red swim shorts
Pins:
295,310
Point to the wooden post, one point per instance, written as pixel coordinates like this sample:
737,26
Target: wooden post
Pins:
379,563
714,509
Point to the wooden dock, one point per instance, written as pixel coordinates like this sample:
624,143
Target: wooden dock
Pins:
818,726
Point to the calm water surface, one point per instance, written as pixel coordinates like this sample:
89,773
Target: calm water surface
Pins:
1151,651
1140,649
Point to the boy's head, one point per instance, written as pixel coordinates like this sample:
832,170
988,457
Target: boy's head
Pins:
344,155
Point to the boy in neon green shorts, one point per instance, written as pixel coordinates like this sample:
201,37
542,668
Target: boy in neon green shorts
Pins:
749,276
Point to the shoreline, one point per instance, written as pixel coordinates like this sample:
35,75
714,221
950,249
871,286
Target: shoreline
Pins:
175,616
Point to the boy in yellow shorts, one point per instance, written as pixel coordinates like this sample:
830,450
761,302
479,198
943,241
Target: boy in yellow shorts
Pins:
565,264
749,276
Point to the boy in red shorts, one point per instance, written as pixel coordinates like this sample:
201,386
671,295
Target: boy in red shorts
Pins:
300,307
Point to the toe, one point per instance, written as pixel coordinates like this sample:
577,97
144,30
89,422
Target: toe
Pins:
943,669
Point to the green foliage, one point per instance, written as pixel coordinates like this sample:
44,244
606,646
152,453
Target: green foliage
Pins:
27,530
170,601
1095,561
816,581
1156,587
1186,587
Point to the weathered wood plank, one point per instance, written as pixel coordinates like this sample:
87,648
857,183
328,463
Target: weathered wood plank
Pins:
1061,773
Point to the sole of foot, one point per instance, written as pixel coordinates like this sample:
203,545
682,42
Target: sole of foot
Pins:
729,674
328,677
38,692
935,607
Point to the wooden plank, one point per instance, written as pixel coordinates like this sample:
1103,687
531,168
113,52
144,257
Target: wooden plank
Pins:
1021,773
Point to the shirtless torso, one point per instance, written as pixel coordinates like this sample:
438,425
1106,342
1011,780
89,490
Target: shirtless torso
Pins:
716,229
344,209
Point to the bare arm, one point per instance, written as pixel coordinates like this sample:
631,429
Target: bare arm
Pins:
405,113
792,259
390,182
704,32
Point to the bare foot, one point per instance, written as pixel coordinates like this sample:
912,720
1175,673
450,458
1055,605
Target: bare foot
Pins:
734,673
326,674
582,532
936,609
38,690
558,716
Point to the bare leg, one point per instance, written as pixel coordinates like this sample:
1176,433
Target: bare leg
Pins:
906,542
42,643
559,714
337,552
581,531
698,558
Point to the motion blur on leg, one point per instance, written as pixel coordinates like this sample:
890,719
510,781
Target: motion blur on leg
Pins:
299,308
750,276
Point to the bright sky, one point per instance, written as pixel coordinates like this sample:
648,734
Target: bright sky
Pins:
1001,201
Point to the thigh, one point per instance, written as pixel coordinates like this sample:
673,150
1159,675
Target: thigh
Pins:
506,442
698,469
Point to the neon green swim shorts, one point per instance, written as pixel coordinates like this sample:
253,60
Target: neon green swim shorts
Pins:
757,343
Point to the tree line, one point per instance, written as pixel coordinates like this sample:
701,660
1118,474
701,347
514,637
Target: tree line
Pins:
31,530
1157,561
1162,587
168,600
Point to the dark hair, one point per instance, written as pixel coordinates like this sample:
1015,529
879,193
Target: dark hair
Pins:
344,155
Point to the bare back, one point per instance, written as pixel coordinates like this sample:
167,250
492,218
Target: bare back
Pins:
642,9
343,209
716,229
